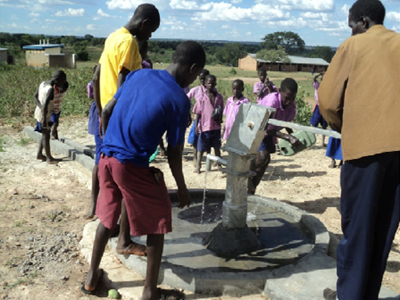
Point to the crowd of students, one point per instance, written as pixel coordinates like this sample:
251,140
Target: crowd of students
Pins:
129,121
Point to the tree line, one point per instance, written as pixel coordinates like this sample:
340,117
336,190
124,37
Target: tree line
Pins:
274,47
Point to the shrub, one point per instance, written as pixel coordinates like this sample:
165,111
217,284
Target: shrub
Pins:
304,114
232,71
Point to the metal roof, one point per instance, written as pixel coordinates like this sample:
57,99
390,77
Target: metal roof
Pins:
3,49
297,60
42,46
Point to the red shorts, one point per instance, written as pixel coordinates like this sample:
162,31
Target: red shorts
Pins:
146,197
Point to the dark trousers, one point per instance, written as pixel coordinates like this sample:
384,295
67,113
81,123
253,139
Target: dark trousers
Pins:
370,208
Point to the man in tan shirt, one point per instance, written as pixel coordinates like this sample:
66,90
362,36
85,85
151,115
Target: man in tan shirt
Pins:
360,97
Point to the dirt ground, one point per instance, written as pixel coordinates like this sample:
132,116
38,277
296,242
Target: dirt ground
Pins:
42,208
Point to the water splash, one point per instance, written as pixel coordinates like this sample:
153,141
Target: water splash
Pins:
204,197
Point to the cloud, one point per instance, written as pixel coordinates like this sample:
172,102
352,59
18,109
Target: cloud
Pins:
101,13
90,27
236,1
313,15
345,9
393,16
310,5
188,5
132,4
232,13
225,26
33,14
71,12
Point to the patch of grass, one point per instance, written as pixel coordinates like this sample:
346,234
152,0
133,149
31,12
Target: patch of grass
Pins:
23,141
1,145
19,223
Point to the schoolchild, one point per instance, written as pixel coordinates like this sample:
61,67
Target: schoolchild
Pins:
317,118
208,109
264,86
232,106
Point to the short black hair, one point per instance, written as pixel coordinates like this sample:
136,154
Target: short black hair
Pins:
289,84
238,81
204,72
59,74
211,76
147,11
189,53
372,9
261,69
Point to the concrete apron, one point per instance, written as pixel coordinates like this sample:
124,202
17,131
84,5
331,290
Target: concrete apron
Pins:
304,279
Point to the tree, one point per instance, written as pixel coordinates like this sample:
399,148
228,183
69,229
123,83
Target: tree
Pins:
324,52
290,41
273,55
230,53
88,37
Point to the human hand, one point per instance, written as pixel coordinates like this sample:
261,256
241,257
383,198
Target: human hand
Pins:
184,197
196,130
294,141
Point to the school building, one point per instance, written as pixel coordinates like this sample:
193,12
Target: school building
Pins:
3,55
48,55
297,64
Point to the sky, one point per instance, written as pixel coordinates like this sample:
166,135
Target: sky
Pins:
317,22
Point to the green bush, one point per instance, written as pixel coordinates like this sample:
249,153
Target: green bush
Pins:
304,114
19,83
232,71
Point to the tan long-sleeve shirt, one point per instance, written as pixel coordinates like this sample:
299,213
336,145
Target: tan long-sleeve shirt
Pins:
360,93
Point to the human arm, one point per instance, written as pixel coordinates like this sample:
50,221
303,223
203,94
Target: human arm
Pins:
106,113
45,107
271,87
96,89
175,164
122,76
36,97
286,136
332,89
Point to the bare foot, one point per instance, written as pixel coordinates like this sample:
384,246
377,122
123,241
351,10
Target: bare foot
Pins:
41,157
333,164
52,160
133,248
197,171
92,281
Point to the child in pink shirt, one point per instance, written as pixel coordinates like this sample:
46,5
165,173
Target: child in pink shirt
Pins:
264,86
208,110
285,110
232,106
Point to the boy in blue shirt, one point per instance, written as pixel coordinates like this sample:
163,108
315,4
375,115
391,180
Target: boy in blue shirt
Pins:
150,103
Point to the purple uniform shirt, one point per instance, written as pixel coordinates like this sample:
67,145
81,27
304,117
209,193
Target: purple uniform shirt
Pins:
284,114
257,88
196,92
204,108
230,111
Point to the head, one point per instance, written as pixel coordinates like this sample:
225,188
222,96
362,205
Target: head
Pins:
262,74
143,47
288,91
210,82
64,88
237,88
187,62
364,14
144,22
202,76
59,78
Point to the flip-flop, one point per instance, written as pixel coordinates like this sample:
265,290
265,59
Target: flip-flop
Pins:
129,251
85,291
173,294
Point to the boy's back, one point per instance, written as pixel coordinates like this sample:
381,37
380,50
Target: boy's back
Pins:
150,112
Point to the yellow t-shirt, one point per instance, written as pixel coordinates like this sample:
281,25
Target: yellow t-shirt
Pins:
120,50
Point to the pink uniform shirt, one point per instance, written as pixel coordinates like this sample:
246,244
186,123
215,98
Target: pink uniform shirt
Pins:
316,84
284,114
230,111
204,108
257,88
196,92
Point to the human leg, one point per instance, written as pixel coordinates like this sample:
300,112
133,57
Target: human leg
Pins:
369,222
125,245
46,145
39,154
54,132
258,165
95,193
199,158
155,245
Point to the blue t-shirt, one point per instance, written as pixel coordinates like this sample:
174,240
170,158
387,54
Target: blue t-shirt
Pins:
149,103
